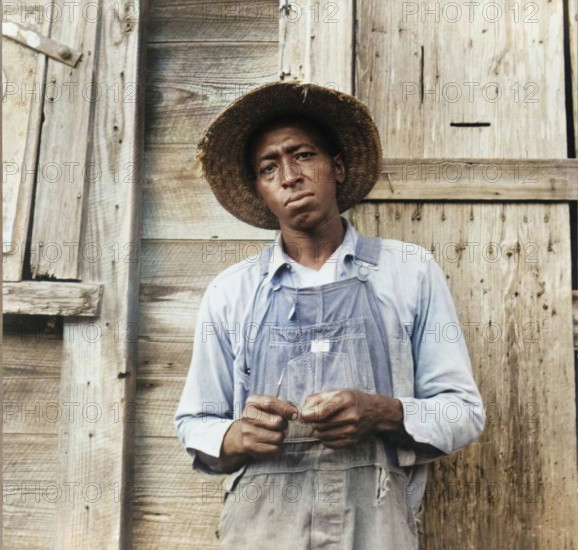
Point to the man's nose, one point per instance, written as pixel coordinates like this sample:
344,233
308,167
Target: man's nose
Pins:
291,173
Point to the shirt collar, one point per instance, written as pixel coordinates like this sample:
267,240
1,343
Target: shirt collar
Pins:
279,259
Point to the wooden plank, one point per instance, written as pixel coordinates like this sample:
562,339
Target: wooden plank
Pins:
309,36
30,492
28,36
164,359
572,7
420,73
174,276
101,369
45,298
524,367
25,70
199,80
575,317
30,349
64,166
179,203
294,29
477,179
155,405
330,30
1,320
190,83
214,21
33,406
573,40
175,507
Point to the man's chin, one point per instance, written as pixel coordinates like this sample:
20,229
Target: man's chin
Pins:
307,219
301,221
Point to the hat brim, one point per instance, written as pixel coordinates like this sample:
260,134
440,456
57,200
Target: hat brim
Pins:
221,148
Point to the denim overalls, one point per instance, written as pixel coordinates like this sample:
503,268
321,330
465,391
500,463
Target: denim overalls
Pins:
312,496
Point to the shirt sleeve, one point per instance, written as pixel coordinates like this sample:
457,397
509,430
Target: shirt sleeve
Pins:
205,410
447,410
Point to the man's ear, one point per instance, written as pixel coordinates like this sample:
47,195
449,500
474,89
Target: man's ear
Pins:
340,170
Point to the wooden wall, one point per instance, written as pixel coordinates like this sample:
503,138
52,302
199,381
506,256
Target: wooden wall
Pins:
487,84
515,488
517,483
67,470
201,55
505,486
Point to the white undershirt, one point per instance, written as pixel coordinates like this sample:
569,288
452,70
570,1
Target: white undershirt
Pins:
310,277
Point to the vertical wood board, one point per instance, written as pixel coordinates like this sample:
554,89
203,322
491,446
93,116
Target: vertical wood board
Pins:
99,356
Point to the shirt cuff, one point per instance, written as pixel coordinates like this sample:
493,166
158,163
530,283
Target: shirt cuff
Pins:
206,453
421,432
203,463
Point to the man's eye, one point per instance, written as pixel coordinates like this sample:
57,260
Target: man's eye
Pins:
265,168
305,153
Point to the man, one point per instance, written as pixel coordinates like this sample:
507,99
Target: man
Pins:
319,381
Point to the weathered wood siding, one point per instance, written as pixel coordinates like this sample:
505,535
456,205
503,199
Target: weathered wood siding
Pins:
74,492
421,73
31,361
201,56
24,74
517,484
504,485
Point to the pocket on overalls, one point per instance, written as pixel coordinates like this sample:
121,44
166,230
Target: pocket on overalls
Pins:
337,352
391,485
333,371
230,483
232,479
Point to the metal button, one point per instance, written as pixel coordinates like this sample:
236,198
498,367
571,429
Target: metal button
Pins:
363,272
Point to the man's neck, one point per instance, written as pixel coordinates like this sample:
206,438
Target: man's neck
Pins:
312,249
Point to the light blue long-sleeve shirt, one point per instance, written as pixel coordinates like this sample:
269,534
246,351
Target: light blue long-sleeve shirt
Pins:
433,378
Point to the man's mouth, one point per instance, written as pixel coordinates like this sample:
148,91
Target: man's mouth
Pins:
298,196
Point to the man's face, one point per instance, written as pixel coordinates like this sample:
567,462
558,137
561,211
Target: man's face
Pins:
288,162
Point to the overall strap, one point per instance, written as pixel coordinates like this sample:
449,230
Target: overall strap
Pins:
258,301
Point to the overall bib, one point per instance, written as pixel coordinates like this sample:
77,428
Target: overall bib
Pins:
311,496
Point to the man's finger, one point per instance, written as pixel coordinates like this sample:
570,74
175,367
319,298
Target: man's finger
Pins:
316,398
322,406
332,424
271,404
267,420
262,442
264,436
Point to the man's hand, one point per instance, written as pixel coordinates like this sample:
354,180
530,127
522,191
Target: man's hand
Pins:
259,433
342,418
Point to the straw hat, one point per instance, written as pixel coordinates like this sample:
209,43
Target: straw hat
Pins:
221,147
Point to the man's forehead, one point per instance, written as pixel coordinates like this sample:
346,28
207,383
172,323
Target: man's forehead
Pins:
285,145
286,135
